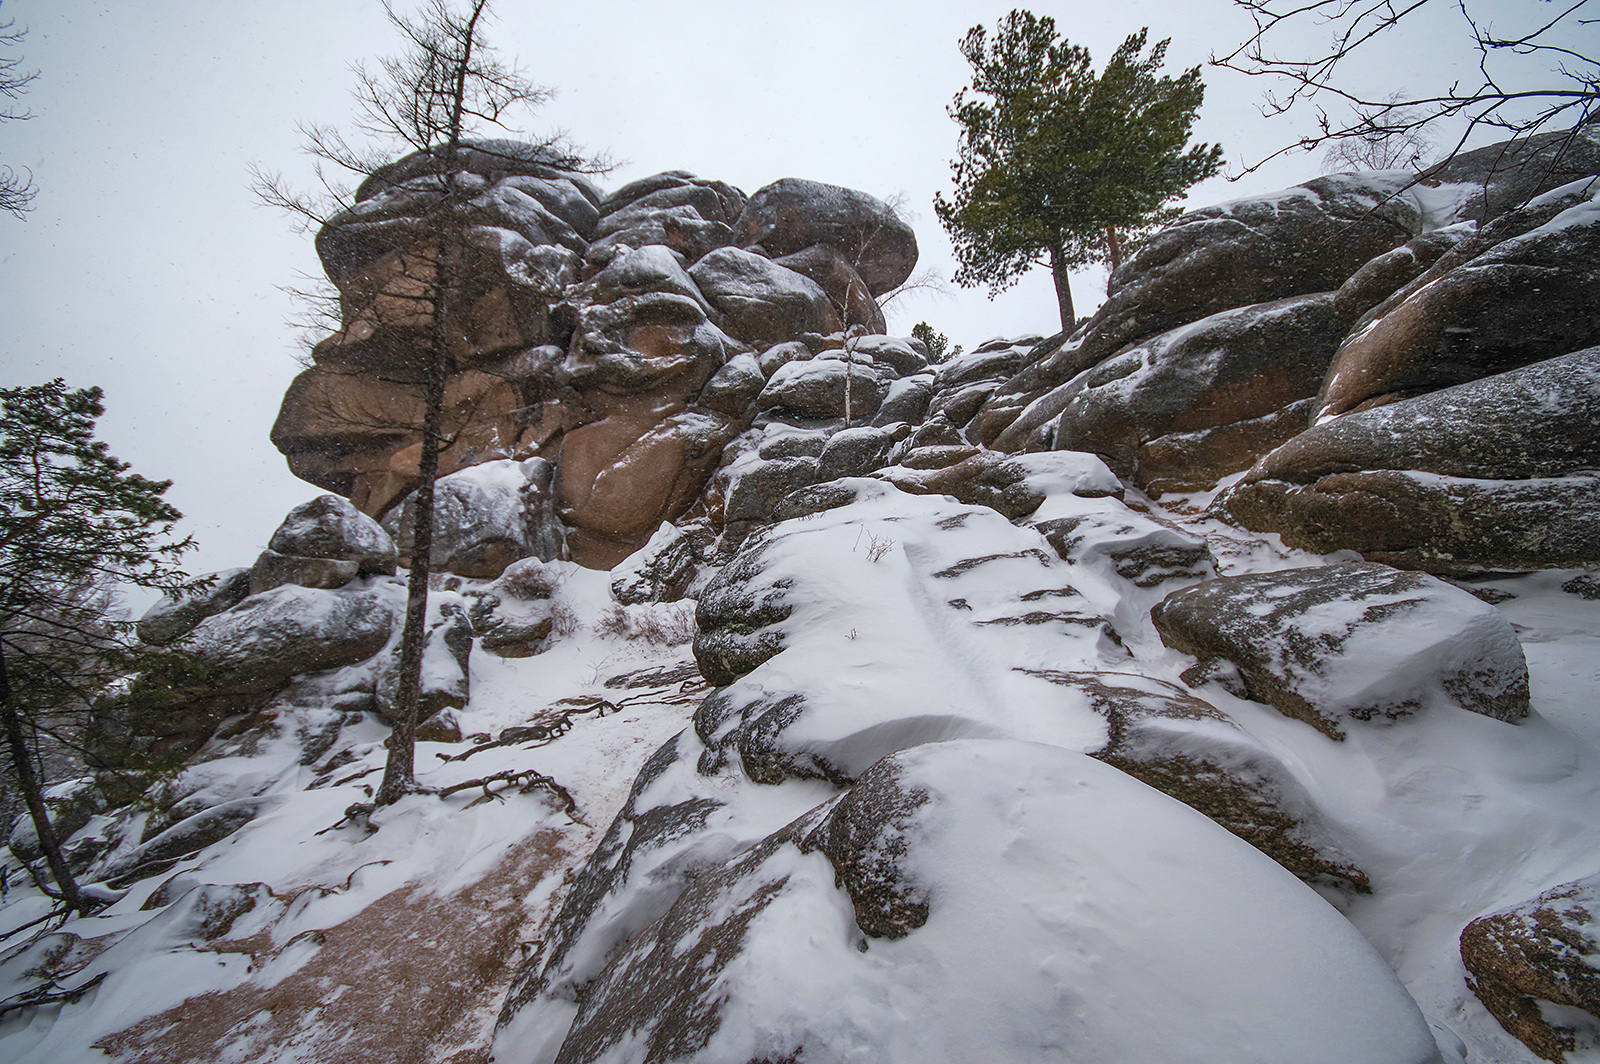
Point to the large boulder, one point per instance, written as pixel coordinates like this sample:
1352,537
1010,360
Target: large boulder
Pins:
1189,750
358,434
848,293
485,517
715,201
1192,405
256,646
864,923
817,388
1493,474
792,215
326,543
1310,238
1536,967
176,615
1501,177
1530,296
761,302
1333,645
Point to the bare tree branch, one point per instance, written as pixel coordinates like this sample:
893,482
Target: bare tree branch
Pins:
1566,97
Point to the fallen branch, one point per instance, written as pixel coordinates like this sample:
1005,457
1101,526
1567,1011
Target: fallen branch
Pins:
527,778
49,993
61,911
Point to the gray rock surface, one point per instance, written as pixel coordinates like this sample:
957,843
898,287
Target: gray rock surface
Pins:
1536,967
176,616
1334,645
793,214
1493,474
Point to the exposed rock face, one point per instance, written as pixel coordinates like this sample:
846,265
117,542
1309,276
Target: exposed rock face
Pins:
1530,296
1352,642
1495,474
1190,406
1534,967
1305,239
486,517
174,617
1190,750
592,332
1501,177
947,796
792,215
260,643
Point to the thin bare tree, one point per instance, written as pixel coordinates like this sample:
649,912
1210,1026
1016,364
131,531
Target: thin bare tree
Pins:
433,100
16,187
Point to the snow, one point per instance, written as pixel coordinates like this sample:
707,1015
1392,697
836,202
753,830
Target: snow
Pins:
1075,913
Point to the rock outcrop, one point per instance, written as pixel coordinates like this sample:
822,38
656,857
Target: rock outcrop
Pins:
971,741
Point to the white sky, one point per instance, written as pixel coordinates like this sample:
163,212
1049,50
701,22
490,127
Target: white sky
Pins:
148,268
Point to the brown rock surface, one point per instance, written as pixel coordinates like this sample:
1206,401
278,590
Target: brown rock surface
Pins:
1534,967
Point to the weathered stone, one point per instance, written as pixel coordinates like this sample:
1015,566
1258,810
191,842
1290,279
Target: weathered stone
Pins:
715,200
274,570
734,387
754,491
176,616
330,527
1192,751
1334,644
816,388
847,292
654,268
1493,474
1504,176
1237,366
735,617
359,435
445,680
1530,297
855,452
485,517
906,402
1136,547
792,215
662,570
1534,968
259,644
761,302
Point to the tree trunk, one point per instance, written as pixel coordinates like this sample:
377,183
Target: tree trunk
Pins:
399,770
1113,247
1058,273
33,796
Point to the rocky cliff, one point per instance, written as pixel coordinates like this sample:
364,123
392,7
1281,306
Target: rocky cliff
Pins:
1213,682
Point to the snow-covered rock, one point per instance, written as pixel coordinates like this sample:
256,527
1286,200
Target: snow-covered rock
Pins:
1337,644
865,927
791,215
1536,967
176,615
487,516
1192,405
1493,474
1528,296
761,302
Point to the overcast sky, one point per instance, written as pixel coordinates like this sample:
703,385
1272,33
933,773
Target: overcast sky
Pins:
148,268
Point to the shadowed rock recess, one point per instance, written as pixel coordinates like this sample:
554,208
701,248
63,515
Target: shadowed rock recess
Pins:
1213,682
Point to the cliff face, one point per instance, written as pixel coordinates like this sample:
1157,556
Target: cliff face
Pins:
1214,682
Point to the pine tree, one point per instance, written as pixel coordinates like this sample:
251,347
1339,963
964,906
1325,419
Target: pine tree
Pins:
1059,167
74,524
